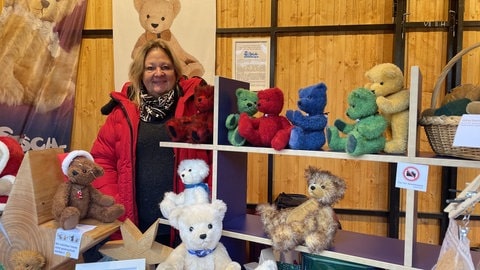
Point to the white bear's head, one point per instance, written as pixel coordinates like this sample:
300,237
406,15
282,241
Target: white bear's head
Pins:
200,225
193,171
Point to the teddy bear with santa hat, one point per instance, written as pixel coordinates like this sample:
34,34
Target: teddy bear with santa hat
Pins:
11,156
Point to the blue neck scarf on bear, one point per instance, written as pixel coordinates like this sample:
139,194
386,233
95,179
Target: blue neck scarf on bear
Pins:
201,252
202,185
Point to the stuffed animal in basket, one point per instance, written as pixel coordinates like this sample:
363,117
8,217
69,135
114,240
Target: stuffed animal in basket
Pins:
246,103
11,156
308,132
27,260
271,129
156,17
386,80
312,223
193,173
460,100
200,227
197,128
76,198
366,134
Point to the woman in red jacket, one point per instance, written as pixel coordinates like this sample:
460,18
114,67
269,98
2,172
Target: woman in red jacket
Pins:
138,171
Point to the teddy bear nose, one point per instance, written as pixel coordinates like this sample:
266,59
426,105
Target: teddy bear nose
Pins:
203,236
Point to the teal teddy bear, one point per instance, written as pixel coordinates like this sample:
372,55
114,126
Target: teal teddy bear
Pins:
367,134
308,131
246,103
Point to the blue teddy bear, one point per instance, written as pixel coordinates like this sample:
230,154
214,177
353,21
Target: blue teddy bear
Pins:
308,131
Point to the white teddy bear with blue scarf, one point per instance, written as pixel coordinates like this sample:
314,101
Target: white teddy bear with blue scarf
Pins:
200,227
193,172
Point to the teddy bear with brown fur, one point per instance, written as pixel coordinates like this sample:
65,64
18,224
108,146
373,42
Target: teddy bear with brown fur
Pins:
270,129
39,52
77,199
156,17
393,101
313,222
197,128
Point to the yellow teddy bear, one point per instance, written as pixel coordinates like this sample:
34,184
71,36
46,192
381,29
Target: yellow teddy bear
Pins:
386,80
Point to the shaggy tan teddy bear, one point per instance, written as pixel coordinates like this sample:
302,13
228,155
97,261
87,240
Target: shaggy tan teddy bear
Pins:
156,17
39,52
393,102
312,223
77,199
27,260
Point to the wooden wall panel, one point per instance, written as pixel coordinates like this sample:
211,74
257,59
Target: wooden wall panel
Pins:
94,83
99,15
342,12
243,13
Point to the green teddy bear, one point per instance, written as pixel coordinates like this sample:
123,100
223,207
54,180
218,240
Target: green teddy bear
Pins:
246,103
367,134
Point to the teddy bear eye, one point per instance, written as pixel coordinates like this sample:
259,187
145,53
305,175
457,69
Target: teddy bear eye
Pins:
163,18
210,226
322,186
190,170
190,229
381,83
148,16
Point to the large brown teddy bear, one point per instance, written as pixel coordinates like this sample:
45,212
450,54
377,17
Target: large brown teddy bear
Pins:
39,52
386,80
156,17
271,129
197,128
77,199
312,223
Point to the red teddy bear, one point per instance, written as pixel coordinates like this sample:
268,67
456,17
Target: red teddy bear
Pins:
271,129
197,128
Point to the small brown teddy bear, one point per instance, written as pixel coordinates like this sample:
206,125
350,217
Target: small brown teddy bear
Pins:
77,199
312,223
27,260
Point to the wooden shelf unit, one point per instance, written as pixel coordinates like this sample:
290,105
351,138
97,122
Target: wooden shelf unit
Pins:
229,174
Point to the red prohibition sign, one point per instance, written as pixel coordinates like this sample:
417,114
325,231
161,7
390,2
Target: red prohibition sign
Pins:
411,173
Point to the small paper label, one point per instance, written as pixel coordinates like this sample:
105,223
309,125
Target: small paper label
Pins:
411,176
67,242
468,131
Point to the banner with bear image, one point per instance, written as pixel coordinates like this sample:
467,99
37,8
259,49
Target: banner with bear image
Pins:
187,26
39,51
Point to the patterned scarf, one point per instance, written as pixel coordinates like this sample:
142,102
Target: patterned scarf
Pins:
156,109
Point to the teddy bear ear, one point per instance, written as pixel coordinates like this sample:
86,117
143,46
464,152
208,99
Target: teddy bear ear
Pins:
220,207
174,216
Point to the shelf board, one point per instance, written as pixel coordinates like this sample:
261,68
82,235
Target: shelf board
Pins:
377,251
425,158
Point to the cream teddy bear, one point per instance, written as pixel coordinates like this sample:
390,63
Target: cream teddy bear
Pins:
156,17
193,173
386,80
200,227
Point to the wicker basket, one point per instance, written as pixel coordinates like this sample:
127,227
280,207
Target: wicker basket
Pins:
441,130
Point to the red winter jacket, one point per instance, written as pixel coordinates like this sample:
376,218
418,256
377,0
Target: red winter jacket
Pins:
115,147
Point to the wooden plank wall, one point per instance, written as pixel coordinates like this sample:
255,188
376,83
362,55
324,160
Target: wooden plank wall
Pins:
337,58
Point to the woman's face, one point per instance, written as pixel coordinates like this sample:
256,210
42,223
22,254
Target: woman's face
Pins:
159,74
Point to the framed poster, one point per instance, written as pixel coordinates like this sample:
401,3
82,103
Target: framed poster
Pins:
251,62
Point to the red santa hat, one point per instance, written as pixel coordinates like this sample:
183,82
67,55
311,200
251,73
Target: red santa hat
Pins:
11,156
67,158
